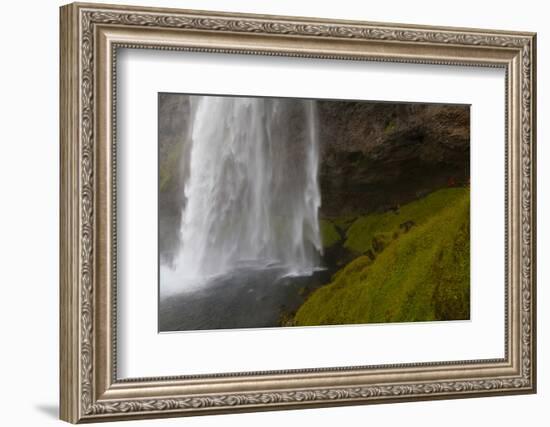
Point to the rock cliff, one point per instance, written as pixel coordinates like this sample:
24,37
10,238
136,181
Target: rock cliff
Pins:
379,155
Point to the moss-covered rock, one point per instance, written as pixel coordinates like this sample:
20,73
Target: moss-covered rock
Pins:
362,233
329,233
168,168
422,274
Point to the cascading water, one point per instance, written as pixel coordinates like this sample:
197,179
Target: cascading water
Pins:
252,192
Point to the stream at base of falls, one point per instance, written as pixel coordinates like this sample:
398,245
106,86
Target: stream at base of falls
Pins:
244,298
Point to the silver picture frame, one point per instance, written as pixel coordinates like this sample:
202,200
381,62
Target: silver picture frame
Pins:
90,37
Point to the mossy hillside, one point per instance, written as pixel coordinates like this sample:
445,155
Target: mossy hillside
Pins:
420,275
367,231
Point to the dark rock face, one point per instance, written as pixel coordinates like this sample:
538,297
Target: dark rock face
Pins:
173,134
379,155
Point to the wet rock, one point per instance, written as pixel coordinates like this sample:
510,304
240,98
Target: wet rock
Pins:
378,155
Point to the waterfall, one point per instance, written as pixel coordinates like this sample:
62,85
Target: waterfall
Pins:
252,192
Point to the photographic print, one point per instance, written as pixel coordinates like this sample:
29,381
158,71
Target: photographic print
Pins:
278,212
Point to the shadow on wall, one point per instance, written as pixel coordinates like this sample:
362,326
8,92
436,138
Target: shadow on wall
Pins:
51,410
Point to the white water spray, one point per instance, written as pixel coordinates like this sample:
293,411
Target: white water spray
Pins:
252,192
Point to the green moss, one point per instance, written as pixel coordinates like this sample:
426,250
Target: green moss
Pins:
168,168
390,126
359,237
343,222
421,275
329,233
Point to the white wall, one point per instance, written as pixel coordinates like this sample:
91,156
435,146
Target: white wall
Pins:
29,170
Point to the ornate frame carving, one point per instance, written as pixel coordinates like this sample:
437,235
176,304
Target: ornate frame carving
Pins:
90,35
